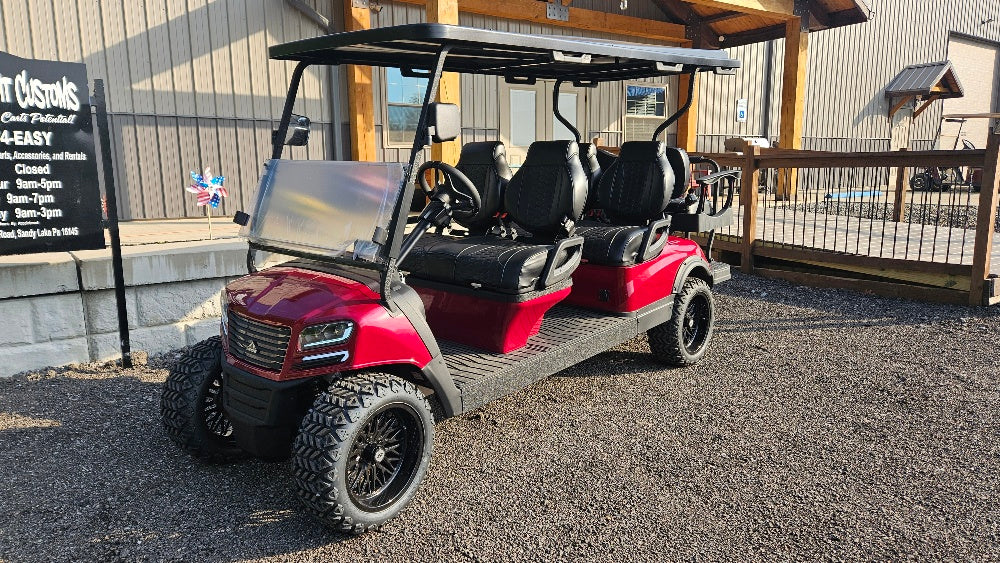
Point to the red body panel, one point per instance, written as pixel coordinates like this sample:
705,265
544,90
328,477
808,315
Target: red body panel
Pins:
496,326
623,289
298,298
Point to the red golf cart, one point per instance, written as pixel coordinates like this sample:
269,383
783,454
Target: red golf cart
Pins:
342,354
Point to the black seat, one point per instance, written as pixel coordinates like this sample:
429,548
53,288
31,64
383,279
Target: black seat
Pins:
592,168
544,198
485,163
633,194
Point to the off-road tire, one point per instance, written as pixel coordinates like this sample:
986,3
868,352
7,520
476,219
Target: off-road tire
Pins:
667,341
324,452
194,381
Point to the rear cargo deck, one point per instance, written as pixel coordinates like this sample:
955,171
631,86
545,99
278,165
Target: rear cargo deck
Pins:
567,337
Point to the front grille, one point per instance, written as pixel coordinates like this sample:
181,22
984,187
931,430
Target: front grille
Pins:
261,344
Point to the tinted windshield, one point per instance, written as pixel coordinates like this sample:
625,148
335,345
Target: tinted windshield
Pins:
333,209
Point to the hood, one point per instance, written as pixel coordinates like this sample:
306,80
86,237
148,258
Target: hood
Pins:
294,295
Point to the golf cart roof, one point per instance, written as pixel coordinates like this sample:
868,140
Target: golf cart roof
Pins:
516,56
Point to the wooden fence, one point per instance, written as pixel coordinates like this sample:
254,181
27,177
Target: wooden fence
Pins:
851,220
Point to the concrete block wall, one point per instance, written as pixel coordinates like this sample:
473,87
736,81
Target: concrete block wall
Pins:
60,309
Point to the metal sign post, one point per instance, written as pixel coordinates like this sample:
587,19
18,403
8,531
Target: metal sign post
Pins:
104,134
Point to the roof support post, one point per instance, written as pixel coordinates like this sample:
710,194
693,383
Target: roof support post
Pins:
360,98
793,97
687,125
687,134
449,90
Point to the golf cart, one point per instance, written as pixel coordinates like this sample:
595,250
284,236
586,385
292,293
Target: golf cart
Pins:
343,355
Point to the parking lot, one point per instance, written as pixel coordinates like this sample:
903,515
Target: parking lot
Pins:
822,424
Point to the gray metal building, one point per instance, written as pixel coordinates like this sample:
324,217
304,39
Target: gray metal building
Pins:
190,84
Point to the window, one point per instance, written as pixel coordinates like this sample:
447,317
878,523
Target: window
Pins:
404,99
522,117
645,110
567,107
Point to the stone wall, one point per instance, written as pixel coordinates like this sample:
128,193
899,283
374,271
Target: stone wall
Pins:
59,308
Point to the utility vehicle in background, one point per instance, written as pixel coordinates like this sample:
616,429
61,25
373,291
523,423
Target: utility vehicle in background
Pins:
343,355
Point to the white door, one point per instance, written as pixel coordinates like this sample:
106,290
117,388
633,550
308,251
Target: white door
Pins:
976,67
526,116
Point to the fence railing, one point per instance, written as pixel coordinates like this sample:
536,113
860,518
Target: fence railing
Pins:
853,220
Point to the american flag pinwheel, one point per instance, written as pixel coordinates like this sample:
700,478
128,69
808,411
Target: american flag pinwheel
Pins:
209,188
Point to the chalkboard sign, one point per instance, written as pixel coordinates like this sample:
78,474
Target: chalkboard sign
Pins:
49,195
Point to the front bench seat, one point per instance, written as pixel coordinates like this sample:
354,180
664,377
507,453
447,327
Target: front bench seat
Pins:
633,194
544,198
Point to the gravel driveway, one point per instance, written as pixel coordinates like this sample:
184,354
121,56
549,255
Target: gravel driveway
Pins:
822,424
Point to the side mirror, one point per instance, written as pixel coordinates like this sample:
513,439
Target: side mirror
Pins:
298,131
444,122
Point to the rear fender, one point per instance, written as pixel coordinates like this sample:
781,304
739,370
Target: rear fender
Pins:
693,267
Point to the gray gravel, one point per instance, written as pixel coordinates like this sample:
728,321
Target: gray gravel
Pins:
822,424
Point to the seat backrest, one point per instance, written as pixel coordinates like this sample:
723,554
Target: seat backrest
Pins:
681,164
485,164
638,185
592,168
547,194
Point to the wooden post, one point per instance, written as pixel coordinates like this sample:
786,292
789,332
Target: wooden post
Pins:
793,99
899,202
749,180
449,89
360,99
687,125
985,220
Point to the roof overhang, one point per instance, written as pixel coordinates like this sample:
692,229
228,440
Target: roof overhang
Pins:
731,23
516,56
925,82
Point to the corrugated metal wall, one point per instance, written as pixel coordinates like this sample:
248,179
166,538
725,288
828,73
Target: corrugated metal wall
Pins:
849,68
480,94
189,85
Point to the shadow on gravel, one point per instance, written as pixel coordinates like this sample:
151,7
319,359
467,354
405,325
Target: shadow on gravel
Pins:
89,474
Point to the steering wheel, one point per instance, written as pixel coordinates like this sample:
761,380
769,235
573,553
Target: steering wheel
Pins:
463,199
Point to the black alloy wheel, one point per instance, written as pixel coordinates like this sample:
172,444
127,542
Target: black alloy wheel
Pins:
191,405
684,339
697,319
384,457
362,450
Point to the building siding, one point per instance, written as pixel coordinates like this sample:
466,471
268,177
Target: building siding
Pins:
190,84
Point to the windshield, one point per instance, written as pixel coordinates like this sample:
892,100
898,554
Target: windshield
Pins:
326,208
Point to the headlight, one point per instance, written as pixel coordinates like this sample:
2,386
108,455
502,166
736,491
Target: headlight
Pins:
326,334
224,305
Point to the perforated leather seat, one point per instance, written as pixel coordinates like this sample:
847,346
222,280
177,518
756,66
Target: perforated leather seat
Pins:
633,194
545,198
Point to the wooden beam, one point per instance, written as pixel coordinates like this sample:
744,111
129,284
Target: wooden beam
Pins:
579,18
775,9
887,289
986,220
360,99
793,99
722,16
449,89
899,198
923,107
687,125
749,180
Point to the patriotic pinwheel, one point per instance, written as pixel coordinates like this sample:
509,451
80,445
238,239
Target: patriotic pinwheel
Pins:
209,188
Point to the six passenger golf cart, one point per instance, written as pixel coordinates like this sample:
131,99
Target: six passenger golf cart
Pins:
342,355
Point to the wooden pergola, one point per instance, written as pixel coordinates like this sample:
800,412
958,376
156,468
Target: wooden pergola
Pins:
693,23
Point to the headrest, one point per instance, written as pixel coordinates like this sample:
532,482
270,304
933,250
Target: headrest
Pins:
548,192
483,152
681,164
637,187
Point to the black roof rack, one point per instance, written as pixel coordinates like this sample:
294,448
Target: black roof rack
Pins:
518,57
